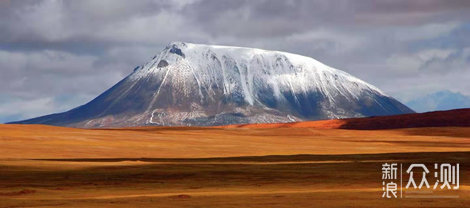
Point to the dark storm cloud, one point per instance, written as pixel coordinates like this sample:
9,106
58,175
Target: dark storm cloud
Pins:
57,54
281,17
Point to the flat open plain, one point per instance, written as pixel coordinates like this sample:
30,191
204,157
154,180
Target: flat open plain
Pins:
47,166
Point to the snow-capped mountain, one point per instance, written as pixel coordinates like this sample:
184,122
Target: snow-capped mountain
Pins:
194,84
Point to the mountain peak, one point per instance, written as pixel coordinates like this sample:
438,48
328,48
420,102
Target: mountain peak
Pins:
178,43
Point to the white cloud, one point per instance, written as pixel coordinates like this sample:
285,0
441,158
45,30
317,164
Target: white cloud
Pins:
413,63
425,32
47,18
48,72
338,41
142,29
28,108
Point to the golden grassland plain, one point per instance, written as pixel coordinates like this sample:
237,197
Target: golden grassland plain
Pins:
49,166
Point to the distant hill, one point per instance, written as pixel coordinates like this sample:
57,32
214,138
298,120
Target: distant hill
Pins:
442,100
457,118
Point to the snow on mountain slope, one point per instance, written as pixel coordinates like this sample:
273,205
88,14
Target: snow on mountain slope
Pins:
254,67
194,84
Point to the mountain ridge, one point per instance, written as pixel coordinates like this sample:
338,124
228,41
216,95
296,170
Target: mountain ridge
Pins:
440,100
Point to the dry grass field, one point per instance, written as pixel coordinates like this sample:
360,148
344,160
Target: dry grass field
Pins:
45,166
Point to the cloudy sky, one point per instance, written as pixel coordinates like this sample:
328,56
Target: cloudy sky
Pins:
55,55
